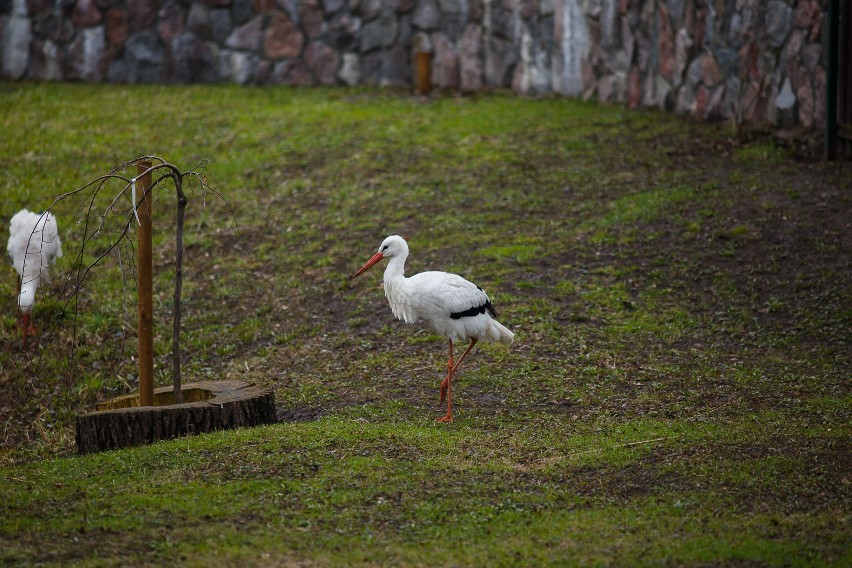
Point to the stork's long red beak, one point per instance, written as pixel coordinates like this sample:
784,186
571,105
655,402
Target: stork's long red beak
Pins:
373,260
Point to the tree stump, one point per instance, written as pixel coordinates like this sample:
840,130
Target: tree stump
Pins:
207,406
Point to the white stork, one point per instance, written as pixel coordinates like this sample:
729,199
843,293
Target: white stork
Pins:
34,246
450,305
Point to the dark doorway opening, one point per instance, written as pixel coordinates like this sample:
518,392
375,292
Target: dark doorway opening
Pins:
838,139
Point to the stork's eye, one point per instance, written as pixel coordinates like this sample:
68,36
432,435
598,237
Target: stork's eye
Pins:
384,248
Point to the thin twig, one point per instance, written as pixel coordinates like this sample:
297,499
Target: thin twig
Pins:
710,411
593,450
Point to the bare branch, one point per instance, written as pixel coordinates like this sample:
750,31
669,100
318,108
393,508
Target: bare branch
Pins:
105,231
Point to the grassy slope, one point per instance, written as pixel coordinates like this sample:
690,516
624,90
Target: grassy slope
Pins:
678,391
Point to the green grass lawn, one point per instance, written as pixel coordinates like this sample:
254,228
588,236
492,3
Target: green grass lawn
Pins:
678,392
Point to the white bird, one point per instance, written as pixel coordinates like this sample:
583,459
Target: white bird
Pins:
34,246
450,305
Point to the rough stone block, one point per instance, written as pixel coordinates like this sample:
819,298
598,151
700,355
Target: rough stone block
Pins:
238,66
805,97
333,6
471,76
45,61
710,73
282,38
117,27
15,46
666,46
86,14
786,99
343,32
778,22
291,72
264,7
247,37
191,60
380,32
387,68
169,25
221,25
502,20
500,65
350,69
369,9
85,54
323,62
634,88
445,64
142,14
475,10
812,56
241,11
143,56
311,18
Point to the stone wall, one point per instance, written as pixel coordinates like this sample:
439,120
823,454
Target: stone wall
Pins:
761,60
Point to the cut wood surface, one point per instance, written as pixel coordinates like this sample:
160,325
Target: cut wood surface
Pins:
211,405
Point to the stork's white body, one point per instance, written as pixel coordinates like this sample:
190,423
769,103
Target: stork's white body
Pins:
34,246
435,297
450,305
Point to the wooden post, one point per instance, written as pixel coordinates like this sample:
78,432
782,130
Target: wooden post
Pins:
424,72
176,378
144,270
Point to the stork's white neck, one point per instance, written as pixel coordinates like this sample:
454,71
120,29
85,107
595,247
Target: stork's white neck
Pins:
395,267
396,290
26,298
394,278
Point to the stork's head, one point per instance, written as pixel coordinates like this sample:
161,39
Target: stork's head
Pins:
392,246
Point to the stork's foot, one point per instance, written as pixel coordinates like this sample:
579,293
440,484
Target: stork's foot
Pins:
448,418
27,326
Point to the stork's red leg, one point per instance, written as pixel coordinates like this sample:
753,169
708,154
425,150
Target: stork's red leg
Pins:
446,380
28,324
27,328
466,351
449,416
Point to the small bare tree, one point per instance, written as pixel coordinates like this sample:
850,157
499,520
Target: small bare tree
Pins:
101,211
